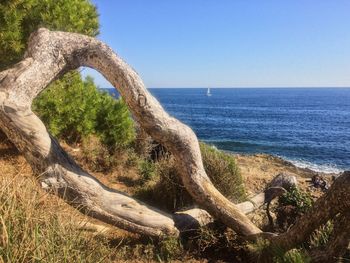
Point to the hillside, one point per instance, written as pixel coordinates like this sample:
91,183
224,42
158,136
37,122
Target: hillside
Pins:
38,224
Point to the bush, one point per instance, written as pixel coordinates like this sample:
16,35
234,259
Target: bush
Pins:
262,251
165,190
291,205
301,200
223,171
73,109
170,248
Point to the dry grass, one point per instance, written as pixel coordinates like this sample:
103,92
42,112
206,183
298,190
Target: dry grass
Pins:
39,227
36,226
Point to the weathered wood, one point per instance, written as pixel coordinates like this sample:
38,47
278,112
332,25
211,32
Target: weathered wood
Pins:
195,217
51,54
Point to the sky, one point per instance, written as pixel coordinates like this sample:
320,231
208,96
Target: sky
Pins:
230,43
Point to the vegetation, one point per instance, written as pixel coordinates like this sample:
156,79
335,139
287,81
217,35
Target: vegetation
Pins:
38,227
35,226
321,236
260,249
297,198
291,206
74,109
19,18
223,172
71,108
165,189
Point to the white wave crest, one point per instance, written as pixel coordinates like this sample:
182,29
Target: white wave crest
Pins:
321,168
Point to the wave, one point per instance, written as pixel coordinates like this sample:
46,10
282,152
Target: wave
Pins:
274,150
320,168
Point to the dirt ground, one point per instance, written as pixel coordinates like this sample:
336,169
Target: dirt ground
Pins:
259,169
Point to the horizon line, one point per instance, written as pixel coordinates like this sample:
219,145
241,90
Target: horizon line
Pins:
250,87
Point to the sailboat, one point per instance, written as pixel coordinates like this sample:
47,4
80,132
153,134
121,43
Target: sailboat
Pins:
208,92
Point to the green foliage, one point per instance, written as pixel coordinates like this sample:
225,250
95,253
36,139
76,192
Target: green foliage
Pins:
291,206
19,18
301,200
70,107
165,190
223,172
214,240
321,236
73,109
113,123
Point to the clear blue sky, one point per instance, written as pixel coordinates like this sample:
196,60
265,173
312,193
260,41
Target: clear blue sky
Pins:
230,43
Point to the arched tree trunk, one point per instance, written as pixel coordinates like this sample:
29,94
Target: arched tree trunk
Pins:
49,56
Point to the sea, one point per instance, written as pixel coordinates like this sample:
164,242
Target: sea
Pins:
309,127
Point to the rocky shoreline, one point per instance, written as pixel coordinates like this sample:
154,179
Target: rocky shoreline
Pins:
259,169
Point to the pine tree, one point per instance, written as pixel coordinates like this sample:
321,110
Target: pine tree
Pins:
71,108
19,18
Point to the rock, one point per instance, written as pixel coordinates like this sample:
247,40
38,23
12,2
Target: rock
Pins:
284,180
318,181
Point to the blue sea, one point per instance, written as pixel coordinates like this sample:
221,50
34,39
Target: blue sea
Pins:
308,126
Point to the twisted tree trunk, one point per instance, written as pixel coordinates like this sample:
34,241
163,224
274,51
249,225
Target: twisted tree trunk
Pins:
49,56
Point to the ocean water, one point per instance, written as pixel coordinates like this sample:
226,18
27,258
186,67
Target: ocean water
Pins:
309,127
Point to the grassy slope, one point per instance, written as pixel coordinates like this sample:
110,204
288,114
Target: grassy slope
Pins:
36,226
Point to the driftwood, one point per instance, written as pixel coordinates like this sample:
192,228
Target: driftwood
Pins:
50,55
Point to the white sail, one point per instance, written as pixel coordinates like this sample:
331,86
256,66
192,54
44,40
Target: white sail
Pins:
208,92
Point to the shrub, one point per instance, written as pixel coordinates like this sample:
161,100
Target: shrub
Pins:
301,200
19,18
113,123
165,190
223,171
293,256
262,251
73,109
291,205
